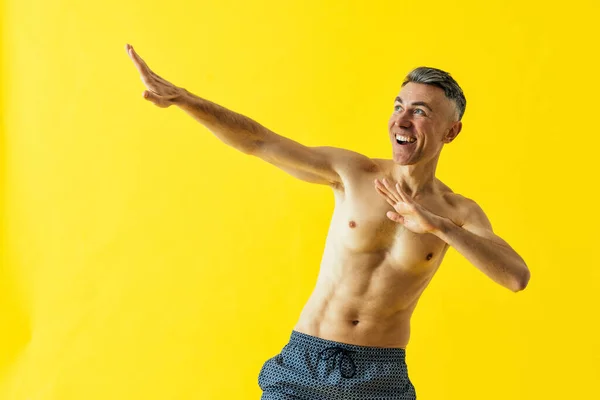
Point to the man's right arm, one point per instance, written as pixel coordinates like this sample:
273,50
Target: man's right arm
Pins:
323,165
312,164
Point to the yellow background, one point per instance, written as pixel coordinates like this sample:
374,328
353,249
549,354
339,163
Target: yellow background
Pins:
144,259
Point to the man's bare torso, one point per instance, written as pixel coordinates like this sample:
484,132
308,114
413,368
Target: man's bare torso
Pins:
373,270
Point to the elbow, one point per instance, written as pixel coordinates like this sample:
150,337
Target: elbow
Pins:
522,281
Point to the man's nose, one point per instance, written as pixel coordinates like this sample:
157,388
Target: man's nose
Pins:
403,121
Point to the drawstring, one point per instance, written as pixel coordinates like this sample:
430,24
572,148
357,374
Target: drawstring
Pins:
334,351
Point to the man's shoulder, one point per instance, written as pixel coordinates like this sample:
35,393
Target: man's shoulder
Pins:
347,158
461,202
462,206
455,199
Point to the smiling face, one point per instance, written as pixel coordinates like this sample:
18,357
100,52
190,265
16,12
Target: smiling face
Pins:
423,120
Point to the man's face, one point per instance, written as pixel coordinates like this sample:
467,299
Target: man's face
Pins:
423,120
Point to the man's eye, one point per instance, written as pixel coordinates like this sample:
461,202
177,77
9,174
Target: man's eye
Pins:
397,108
419,111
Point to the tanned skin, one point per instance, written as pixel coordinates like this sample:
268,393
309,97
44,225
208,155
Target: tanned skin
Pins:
393,220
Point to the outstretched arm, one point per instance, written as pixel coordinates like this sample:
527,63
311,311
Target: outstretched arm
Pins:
475,239
313,164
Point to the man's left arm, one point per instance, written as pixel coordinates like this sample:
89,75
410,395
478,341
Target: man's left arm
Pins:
474,238
477,242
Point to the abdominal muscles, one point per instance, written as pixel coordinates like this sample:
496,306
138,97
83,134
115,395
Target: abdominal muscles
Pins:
365,298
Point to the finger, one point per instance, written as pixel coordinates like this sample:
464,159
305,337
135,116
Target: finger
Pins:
390,201
399,206
389,195
390,189
143,68
382,190
159,78
139,63
382,187
402,193
395,217
153,83
156,99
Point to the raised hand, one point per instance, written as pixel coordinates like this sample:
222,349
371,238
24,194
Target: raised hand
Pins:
409,213
159,91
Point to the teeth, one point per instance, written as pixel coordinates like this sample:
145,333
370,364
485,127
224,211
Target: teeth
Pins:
406,138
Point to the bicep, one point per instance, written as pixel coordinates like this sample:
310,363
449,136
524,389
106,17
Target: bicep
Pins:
477,222
321,165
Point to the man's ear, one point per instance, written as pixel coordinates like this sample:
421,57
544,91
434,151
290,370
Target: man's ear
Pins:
453,132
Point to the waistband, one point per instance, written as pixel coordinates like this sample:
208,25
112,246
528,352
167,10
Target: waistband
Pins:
359,353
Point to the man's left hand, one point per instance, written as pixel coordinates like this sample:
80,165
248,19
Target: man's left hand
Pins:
409,213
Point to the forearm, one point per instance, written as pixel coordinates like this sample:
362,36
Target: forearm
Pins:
498,261
231,128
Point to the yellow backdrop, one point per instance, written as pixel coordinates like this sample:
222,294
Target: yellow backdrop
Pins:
144,259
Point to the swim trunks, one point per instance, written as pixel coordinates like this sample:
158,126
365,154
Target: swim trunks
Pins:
311,368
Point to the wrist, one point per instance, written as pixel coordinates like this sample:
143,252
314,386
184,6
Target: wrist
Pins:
184,98
441,226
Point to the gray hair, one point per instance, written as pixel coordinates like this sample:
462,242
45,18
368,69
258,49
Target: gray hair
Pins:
441,79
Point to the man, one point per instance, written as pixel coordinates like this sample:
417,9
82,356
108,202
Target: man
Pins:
392,224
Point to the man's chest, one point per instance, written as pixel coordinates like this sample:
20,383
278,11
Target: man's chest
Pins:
360,225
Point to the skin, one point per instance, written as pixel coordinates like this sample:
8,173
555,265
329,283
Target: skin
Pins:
393,219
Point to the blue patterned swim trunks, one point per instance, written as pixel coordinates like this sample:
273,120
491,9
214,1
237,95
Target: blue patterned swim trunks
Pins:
311,368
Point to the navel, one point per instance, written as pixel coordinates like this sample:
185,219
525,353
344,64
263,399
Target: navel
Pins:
352,224
355,322
429,256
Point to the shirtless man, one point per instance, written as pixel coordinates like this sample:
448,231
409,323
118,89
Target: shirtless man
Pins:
392,224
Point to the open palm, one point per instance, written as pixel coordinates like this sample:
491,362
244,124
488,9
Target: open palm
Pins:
409,213
161,92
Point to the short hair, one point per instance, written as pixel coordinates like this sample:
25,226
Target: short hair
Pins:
441,79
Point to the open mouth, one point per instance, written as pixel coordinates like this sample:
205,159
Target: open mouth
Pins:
404,140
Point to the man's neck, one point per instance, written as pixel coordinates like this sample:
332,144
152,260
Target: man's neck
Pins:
416,179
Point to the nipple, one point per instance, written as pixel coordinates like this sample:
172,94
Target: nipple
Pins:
352,224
